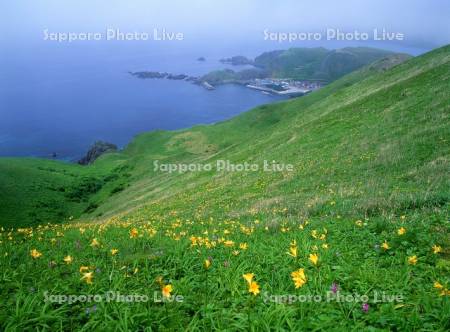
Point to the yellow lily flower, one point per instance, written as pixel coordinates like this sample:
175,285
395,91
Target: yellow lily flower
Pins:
314,258
68,259
35,254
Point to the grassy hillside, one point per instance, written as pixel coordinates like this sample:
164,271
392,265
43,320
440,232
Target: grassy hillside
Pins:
361,140
319,63
315,64
364,213
38,191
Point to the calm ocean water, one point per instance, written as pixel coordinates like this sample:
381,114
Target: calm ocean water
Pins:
61,98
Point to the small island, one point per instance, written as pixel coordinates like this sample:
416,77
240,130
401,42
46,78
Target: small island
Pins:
177,77
238,60
156,74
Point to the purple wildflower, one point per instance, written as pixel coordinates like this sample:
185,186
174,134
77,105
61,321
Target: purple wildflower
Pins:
365,307
334,287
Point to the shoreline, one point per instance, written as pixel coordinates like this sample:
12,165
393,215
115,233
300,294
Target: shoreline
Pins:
274,86
73,159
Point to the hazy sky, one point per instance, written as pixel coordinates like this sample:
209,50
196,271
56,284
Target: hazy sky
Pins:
425,23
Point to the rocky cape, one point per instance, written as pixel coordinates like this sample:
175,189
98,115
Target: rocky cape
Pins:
176,77
96,150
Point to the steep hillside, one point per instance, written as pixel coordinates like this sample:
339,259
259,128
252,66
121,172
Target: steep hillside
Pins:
378,145
37,191
357,233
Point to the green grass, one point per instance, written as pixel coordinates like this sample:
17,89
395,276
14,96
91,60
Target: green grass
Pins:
218,298
370,155
38,191
375,140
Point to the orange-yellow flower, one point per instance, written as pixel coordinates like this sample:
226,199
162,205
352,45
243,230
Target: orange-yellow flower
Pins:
436,249
437,285
385,245
401,231
314,258
166,290
133,233
88,276
228,243
35,254
248,277
95,243
68,259
243,246
300,273
83,268
114,252
253,288
293,251
412,260
299,278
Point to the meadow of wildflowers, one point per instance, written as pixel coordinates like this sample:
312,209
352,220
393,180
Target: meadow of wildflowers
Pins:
355,238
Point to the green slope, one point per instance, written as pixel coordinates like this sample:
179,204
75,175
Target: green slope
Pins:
35,191
370,136
376,146
366,210
318,64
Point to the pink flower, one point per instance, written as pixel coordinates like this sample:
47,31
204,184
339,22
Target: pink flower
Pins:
365,307
334,287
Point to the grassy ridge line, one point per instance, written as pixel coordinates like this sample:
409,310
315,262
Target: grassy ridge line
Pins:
318,63
311,64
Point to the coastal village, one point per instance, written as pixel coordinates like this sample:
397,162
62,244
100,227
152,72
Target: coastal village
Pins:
284,87
277,86
255,78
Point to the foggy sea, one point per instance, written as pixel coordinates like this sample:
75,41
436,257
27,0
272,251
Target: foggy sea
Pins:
61,98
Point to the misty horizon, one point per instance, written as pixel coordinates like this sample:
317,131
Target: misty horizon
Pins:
232,25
